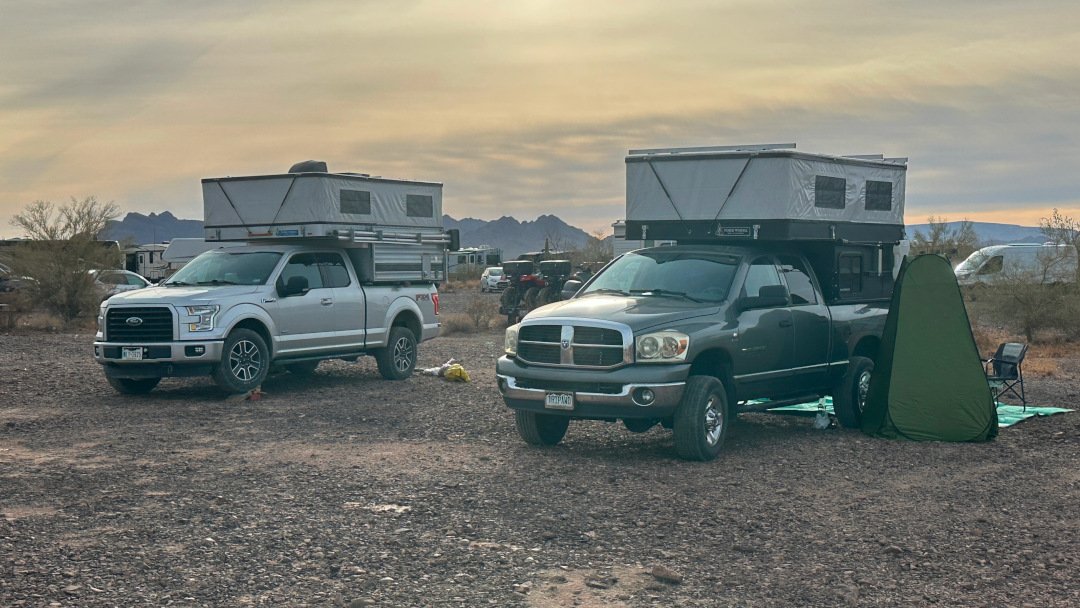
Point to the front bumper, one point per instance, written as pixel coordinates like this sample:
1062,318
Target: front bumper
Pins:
200,352
604,394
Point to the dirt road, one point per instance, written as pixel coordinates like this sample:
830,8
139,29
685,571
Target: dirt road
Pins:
347,490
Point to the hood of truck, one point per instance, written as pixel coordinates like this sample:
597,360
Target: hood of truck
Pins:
183,295
638,312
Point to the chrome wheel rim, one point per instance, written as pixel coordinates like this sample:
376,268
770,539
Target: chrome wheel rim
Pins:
403,354
245,360
714,420
863,389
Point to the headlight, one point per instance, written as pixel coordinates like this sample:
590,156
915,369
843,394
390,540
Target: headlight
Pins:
101,318
662,347
204,317
511,344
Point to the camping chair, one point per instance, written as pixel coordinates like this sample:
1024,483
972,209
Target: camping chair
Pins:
1003,371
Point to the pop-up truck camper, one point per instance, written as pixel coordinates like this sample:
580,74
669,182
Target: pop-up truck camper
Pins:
327,266
777,289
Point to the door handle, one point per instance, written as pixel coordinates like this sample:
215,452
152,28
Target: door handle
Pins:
785,323
326,301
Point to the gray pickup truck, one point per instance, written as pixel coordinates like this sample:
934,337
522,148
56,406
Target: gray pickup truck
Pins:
687,336
236,313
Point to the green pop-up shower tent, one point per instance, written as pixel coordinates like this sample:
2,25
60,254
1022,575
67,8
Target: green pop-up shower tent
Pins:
928,382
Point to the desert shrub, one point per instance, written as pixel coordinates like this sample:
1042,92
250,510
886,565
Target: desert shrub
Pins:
1030,308
456,323
482,311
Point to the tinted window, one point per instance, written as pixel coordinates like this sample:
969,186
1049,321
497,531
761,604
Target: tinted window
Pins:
303,265
335,274
992,265
878,196
829,192
356,201
762,272
850,275
799,283
419,205
136,280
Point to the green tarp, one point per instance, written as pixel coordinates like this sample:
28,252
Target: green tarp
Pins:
928,382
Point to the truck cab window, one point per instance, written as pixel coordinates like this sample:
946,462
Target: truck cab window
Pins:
762,272
800,286
303,265
335,274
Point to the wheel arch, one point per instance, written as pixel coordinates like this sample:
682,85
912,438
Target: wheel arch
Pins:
716,362
258,327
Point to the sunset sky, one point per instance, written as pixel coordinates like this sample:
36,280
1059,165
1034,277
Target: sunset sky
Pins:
528,107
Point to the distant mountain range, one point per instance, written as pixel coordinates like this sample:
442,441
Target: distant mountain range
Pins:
513,237
990,233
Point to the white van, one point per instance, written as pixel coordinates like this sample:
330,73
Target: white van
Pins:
1046,263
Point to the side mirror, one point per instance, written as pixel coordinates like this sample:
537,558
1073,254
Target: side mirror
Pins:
295,286
769,296
569,288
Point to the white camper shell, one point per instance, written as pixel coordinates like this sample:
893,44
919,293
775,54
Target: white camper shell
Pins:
1029,262
395,224
767,192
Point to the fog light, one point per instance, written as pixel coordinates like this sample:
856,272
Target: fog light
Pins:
97,351
644,396
195,351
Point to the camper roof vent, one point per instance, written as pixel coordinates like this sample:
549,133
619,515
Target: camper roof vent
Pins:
309,166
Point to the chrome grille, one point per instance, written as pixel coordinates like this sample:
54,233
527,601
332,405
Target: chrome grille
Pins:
156,324
586,345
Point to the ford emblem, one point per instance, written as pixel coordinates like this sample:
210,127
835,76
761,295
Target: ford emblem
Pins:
134,321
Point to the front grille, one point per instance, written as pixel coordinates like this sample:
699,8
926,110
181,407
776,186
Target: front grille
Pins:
604,388
156,324
589,346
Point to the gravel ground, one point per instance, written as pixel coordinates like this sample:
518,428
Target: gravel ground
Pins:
347,490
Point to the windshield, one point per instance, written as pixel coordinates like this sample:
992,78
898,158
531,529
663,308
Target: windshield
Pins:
495,272
973,261
221,267
698,276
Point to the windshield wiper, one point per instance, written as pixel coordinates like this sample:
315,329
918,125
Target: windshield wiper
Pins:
180,283
607,290
664,292
217,282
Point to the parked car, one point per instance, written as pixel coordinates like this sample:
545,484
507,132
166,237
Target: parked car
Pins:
493,279
110,282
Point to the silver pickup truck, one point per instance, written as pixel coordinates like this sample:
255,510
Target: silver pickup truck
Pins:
237,313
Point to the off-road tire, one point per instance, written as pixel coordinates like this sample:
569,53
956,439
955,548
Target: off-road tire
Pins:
245,361
133,386
541,429
530,297
302,368
849,397
639,425
398,359
548,295
509,298
702,419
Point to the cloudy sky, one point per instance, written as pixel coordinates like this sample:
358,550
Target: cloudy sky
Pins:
528,107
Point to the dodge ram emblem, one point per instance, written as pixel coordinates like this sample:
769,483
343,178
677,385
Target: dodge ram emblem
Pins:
565,344
134,321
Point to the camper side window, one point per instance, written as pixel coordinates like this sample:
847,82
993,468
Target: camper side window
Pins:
356,202
849,271
878,196
419,205
829,192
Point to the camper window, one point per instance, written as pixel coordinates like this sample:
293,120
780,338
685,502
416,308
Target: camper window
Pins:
356,202
419,205
829,192
994,264
800,286
878,196
849,278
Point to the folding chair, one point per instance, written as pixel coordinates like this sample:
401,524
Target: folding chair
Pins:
1003,372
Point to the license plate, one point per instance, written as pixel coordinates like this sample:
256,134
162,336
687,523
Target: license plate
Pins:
559,401
131,353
